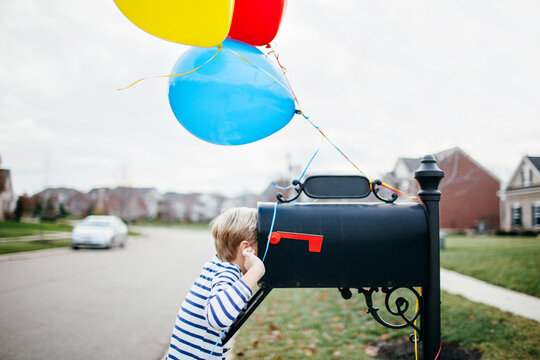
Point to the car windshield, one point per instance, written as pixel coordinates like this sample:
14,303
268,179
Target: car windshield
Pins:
96,223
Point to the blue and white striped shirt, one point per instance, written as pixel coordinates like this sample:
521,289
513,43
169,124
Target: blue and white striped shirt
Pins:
211,306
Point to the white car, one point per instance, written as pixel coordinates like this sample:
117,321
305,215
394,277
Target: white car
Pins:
99,231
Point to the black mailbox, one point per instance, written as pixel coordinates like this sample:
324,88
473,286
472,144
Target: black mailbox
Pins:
365,246
343,245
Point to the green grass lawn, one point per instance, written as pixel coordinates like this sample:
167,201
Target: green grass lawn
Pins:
12,228
319,324
7,247
509,261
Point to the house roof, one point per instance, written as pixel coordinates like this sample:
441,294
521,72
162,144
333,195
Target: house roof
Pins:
535,160
532,160
411,164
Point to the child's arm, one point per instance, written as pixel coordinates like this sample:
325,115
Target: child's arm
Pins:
229,296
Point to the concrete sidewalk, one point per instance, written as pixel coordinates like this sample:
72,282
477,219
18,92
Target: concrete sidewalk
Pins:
482,292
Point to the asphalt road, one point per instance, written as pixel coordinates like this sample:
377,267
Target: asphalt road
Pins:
99,304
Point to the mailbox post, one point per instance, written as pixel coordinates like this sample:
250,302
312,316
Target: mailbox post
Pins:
429,176
371,247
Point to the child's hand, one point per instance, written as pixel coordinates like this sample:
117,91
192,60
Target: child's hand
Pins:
251,261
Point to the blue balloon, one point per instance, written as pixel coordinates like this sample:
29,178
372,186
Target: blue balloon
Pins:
229,101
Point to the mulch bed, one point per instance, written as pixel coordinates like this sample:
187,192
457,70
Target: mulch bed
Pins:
403,349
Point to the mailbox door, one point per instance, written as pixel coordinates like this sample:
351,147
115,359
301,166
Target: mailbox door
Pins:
363,245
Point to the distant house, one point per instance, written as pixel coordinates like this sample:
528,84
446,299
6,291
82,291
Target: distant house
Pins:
126,202
520,200
177,207
98,201
151,198
78,204
194,207
74,202
7,197
244,200
207,207
469,191
132,203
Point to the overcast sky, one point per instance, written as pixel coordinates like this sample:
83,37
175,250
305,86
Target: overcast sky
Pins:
384,79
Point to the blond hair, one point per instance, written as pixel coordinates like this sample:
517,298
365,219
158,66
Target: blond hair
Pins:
231,228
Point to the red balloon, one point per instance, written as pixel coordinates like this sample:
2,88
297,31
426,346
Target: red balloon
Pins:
256,21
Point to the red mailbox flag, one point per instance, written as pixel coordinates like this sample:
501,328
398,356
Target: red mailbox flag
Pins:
256,21
315,241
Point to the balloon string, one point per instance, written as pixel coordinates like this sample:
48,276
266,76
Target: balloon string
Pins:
299,111
289,90
305,169
174,75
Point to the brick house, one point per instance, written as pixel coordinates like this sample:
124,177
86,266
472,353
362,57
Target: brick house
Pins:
520,200
469,191
75,202
126,202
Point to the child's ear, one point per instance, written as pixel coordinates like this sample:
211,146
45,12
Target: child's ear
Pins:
244,245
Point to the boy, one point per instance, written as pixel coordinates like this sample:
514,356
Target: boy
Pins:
221,291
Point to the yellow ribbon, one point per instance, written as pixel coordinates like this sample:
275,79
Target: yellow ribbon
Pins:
174,75
415,339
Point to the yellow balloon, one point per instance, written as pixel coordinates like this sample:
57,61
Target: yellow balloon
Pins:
203,23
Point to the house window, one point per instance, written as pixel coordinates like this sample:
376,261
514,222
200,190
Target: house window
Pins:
516,215
526,176
536,214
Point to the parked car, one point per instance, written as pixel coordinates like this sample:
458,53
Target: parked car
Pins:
99,231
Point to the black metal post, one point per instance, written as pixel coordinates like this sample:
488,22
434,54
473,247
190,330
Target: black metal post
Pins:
429,176
253,303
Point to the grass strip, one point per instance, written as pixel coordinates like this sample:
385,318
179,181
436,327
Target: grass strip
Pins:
318,323
15,229
8,247
507,261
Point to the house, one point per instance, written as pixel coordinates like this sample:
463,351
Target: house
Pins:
207,207
177,207
151,198
520,200
126,202
98,200
246,199
7,197
469,191
78,204
133,203
74,202
193,207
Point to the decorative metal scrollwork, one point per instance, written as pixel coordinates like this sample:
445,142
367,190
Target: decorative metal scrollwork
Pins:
336,187
299,188
376,190
401,307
